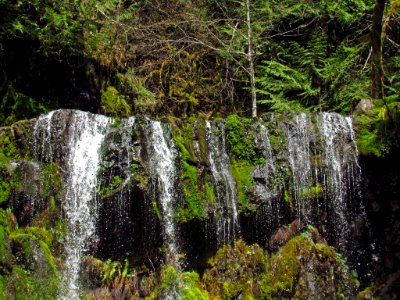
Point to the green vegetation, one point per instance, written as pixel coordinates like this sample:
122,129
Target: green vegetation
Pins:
312,191
242,172
29,272
8,153
112,188
239,139
114,104
377,131
187,59
195,57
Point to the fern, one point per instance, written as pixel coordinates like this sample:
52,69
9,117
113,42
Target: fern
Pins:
281,85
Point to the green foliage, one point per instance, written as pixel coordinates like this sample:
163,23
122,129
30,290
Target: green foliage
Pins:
110,270
192,289
8,152
277,81
170,281
114,104
183,285
16,106
34,276
144,99
313,75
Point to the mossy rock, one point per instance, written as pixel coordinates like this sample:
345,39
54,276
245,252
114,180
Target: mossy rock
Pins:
307,268
234,271
34,274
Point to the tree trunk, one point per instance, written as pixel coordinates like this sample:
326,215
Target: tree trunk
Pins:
250,55
376,56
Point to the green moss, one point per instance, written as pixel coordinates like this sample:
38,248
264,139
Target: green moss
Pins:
202,138
241,172
169,281
114,104
51,180
240,142
23,284
183,137
287,269
312,192
3,282
156,209
194,200
210,192
192,288
8,153
194,207
285,266
3,247
367,293
31,277
287,198
112,188
5,191
277,137
372,139
234,271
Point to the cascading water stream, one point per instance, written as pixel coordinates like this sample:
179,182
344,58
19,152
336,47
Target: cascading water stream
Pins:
298,137
162,165
319,154
42,133
342,172
86,135
264,175
218,159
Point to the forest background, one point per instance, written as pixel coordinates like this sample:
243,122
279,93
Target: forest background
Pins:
203,58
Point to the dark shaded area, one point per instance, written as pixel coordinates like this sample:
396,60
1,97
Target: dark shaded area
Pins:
129,229
199,242
382,193
64,81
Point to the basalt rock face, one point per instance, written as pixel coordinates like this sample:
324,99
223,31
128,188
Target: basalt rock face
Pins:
151,193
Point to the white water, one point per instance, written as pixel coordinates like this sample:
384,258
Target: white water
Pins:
218,159
42,134
162,163
86,135
342,173
126,128
298,136
264,174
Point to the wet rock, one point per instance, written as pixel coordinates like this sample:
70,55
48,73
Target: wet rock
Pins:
365,106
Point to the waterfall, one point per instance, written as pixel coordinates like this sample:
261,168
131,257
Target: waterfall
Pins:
264,175
42,144
162,166
342,173
86,134
313,158
218,160
298,136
